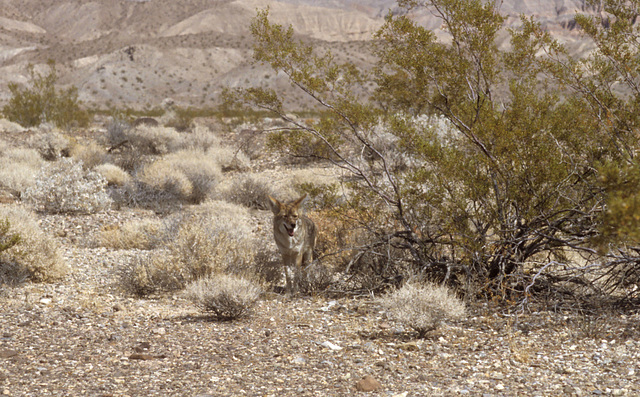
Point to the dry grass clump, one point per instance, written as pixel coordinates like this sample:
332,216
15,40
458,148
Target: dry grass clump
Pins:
225,297
217,239
248,191
202,138
65,187
144,235
214,239
152,273
229,158
114,175
147,139
35,256
90,154
313,279
51,144
19,168
187,175
423,306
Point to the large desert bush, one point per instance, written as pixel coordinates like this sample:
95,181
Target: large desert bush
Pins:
225,297
64,186
42,102
32,254
423,306
19,167
480,162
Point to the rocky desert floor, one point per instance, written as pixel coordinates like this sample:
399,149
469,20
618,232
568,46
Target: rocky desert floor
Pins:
82,336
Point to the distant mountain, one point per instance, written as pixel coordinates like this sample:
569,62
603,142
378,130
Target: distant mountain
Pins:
138,52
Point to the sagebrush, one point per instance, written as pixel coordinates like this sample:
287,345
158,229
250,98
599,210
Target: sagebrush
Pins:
29,253
64,186
423,307
225,297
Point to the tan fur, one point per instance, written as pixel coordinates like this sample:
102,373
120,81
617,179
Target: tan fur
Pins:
295,236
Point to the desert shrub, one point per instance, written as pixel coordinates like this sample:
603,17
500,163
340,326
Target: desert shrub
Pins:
144,235
476,177
230,159
44,103
181,119
312,279
224,297
19,167
10,127
146,139
214,239
267,266
29,253
248,191
114,175
90,154
187,175
50,144
423,306
202,138
117,129
64,186
152,273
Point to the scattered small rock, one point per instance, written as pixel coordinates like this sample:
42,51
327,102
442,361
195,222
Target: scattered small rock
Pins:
368,383
299,360
331,346
160,331
409,346
8,353
141,356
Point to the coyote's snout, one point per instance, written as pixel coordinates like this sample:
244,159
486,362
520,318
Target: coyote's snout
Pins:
295,236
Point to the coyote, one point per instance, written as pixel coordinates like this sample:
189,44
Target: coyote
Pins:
295,236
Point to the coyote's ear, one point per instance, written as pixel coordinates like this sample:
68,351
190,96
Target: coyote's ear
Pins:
274,205
299,201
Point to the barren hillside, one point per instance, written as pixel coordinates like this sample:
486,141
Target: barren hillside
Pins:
136,53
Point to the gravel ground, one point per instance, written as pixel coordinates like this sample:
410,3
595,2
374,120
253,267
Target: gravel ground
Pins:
83,337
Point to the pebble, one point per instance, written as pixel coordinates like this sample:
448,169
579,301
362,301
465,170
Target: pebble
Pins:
331,346
368,383
160,331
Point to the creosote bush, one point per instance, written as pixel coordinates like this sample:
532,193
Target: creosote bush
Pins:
43,102
472,161
26,252
225,297
64,186
423,306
